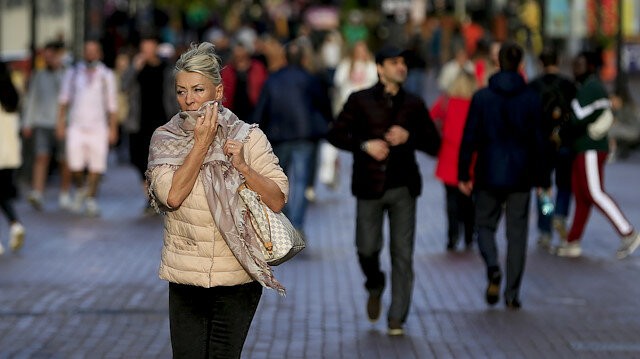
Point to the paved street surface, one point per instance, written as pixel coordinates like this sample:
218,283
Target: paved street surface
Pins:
88,287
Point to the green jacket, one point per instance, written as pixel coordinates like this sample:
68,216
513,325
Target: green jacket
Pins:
591,100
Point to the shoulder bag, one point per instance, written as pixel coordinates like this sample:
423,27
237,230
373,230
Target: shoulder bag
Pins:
281,241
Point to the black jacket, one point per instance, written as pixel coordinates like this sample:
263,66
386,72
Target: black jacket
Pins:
368,114
504,129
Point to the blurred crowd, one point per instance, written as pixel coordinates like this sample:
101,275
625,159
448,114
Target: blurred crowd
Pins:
503,116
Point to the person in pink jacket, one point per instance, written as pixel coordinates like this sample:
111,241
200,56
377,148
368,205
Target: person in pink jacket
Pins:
450,114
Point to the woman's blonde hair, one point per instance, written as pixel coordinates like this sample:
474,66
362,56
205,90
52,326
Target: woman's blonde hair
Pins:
463,86
201,58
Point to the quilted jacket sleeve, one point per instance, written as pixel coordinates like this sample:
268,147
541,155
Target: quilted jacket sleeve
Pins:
259,156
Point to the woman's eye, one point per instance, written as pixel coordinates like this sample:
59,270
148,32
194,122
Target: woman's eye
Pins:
199,90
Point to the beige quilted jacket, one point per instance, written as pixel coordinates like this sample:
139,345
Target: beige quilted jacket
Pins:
194,251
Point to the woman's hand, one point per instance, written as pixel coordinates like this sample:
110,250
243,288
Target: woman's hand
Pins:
235,149
206,126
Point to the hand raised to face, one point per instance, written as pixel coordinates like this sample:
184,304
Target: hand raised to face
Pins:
206,126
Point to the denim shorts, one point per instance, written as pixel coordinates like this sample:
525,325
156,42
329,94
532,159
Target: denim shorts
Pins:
45,143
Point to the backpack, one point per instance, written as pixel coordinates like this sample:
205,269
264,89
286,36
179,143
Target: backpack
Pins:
555,107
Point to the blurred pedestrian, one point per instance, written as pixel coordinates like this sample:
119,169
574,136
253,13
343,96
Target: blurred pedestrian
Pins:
450,112
294,111
592,119
452,68
383,126
355,72
89,98
10,156
243,78
40,116
504,129
211,257
150,89
556,92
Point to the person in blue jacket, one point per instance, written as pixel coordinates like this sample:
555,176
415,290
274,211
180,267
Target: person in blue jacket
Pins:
504,132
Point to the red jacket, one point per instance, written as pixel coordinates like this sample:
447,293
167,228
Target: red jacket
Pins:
452,113
256,77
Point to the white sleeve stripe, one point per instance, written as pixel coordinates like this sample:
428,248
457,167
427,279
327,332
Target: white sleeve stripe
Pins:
582,112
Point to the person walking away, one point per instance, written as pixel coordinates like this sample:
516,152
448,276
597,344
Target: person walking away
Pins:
504,130
294,111
211,257
89,97
40,117
10,156
383,126
149,86
556,92
589,126
450,112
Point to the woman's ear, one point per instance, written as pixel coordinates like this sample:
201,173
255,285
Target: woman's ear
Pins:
219,92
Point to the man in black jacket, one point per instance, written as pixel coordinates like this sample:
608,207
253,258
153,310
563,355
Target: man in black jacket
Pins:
504,130
383,126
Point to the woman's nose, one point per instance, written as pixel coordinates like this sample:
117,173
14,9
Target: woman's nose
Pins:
189,99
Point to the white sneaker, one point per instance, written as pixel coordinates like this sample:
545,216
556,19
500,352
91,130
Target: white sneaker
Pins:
629,244
78,200
64,201
93,210
16,236
568,249
35,198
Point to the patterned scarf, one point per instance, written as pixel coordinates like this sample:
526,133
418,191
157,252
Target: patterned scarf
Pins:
170,145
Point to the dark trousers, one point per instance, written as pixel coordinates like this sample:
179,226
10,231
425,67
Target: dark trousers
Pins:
459,210
489,207
562,163
401,209
211,322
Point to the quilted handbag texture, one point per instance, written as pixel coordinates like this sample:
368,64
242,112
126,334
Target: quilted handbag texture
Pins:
280,239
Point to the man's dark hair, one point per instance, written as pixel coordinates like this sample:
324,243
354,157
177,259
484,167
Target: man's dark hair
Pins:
510,56
549,57
295,53
593,58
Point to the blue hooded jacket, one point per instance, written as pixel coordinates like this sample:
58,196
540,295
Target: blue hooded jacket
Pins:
504,130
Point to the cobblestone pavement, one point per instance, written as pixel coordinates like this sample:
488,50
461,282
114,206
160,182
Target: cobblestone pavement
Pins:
88,288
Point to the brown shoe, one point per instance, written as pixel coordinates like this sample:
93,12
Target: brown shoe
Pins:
373,308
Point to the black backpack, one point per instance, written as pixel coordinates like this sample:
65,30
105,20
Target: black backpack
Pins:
555,105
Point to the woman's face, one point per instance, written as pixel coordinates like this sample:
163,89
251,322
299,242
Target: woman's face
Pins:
194,89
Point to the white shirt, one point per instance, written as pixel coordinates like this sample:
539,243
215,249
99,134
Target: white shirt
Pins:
91,94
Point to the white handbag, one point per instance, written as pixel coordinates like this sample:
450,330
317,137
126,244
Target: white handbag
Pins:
281,241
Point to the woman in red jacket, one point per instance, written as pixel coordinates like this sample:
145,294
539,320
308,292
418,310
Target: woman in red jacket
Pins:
450,113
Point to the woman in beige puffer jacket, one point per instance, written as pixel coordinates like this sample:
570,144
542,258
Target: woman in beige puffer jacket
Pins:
196,163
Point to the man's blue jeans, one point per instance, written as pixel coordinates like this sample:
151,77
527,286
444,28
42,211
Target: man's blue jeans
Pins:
296,159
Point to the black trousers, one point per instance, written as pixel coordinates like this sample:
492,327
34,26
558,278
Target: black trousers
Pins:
211,322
